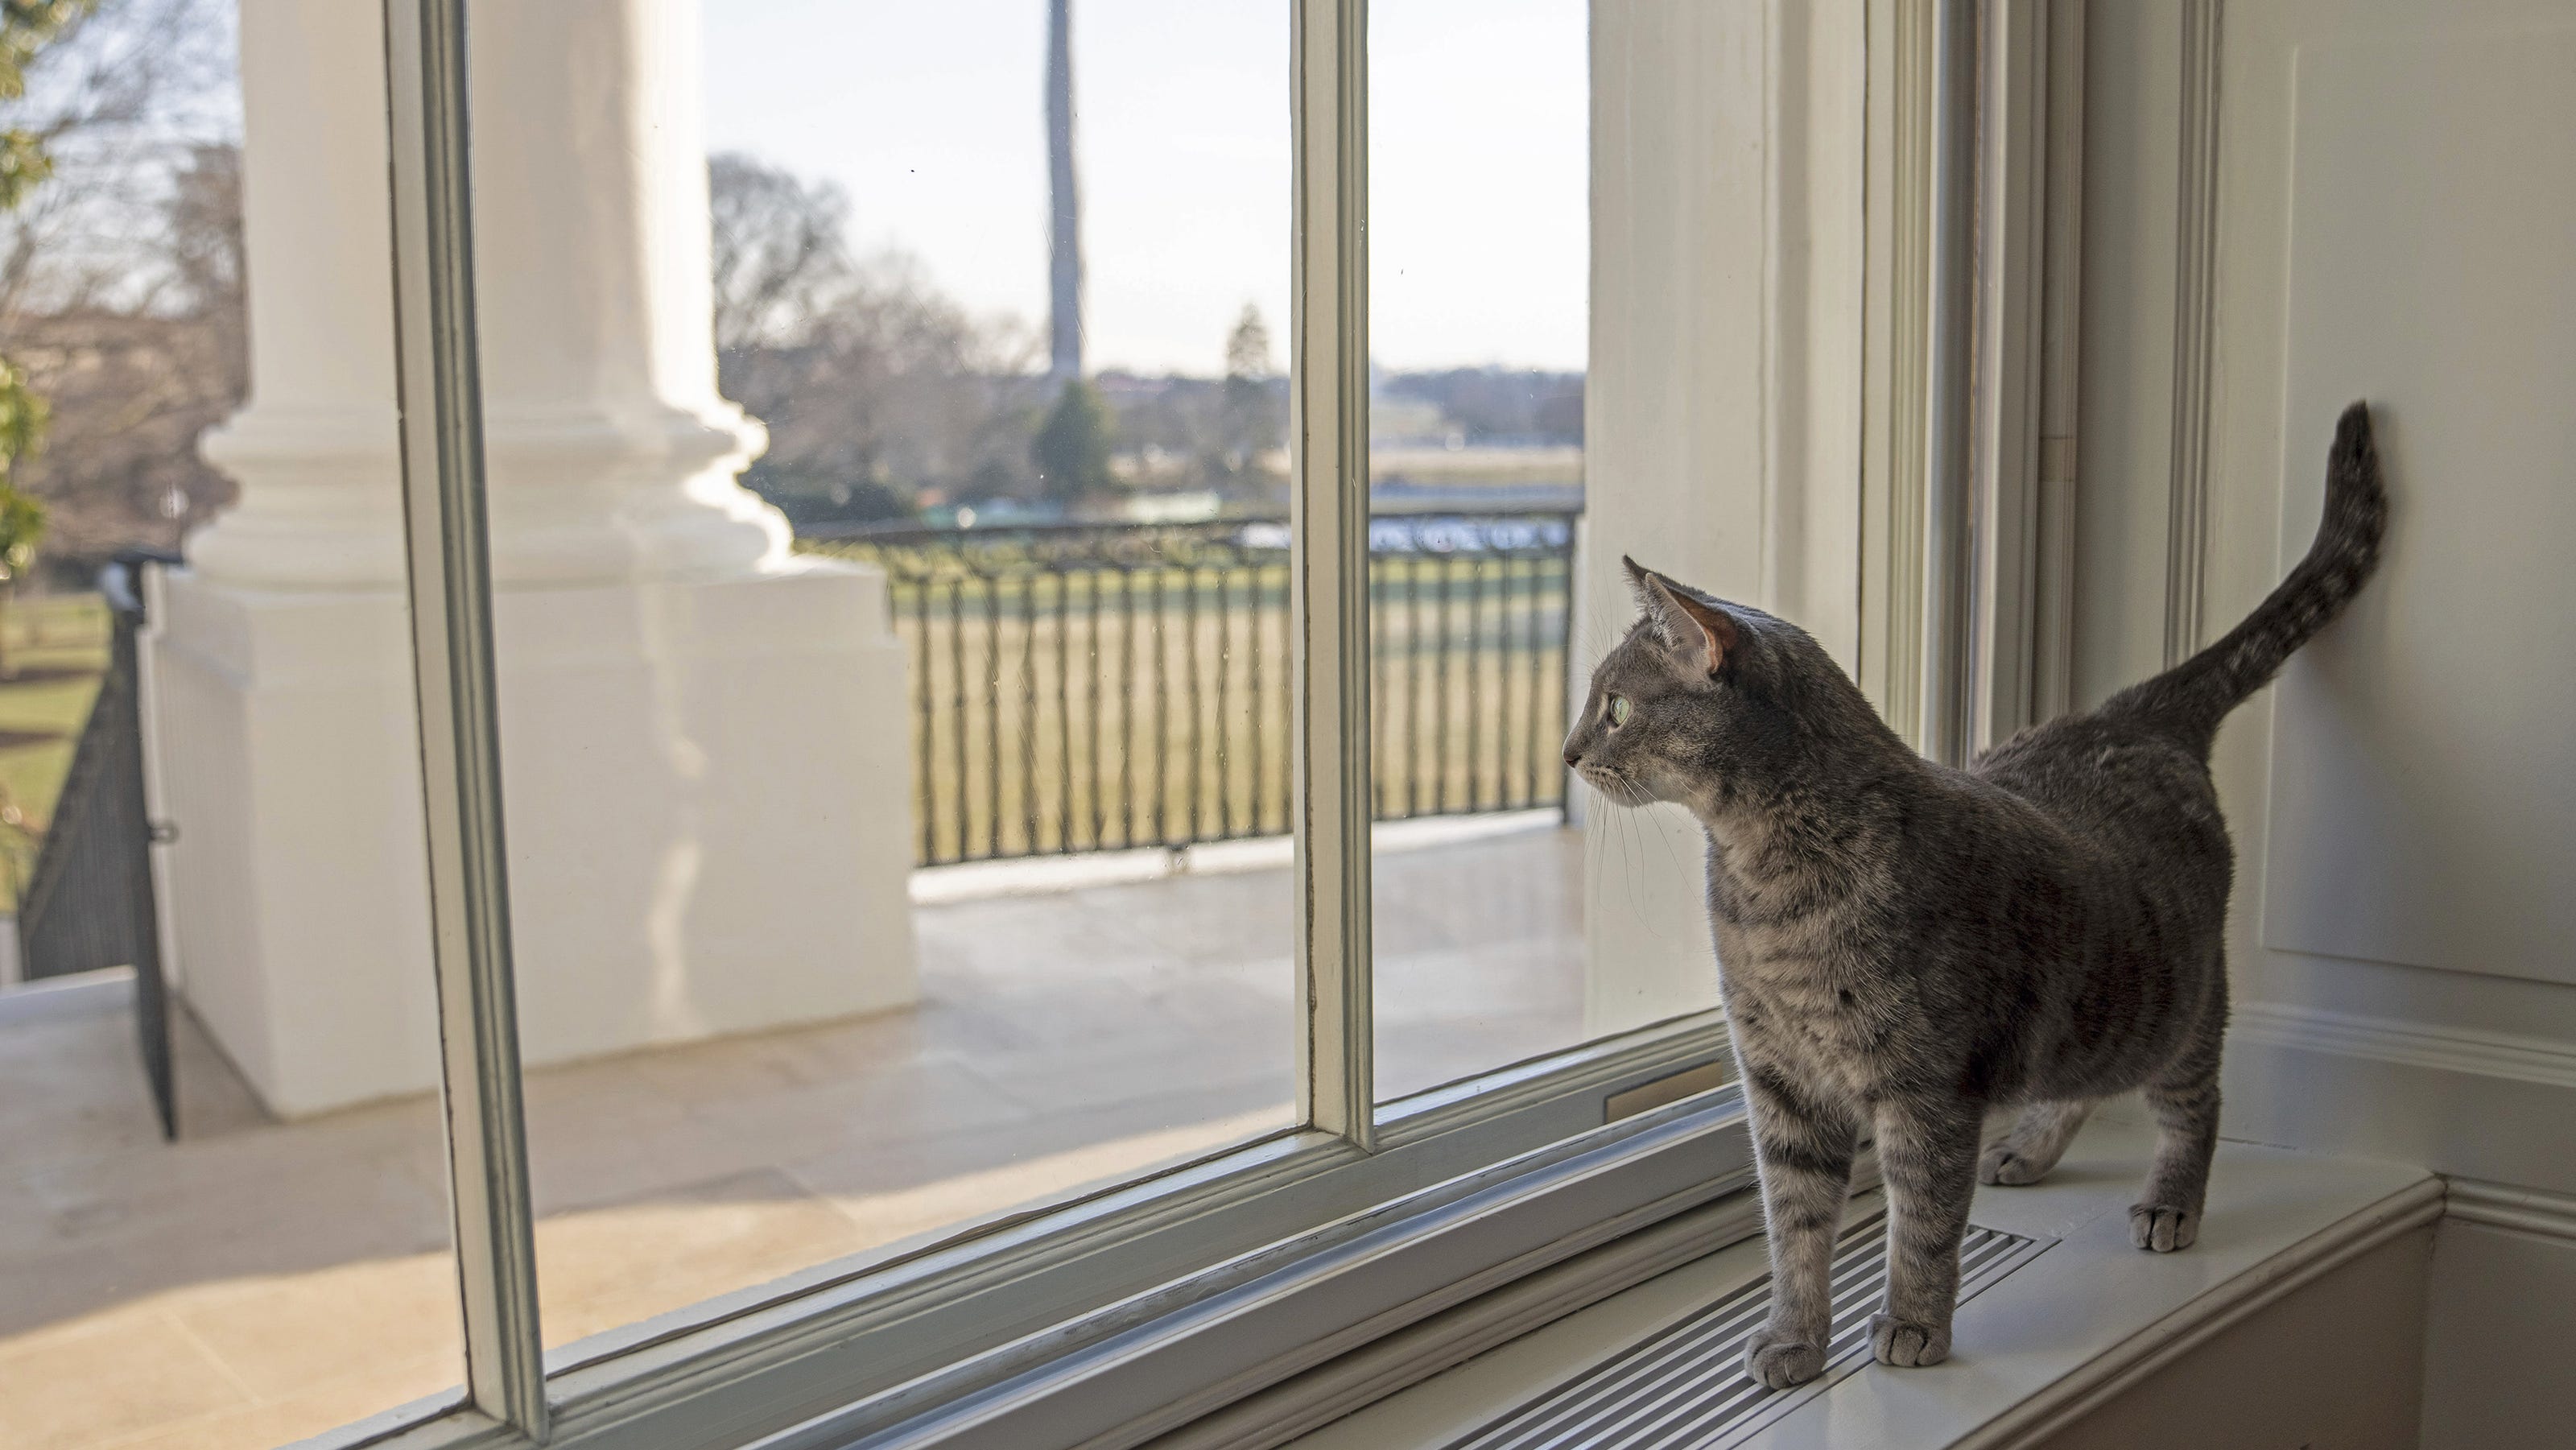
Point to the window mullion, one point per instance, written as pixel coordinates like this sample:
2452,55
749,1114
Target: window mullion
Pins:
451,616
1949,491
1328,506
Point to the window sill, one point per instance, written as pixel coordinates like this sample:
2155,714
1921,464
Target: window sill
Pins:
2053,1340
1229,1261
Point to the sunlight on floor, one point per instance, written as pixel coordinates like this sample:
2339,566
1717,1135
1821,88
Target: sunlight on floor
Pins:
258,1282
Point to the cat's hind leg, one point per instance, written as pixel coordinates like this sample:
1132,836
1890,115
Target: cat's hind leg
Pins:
2034,1143
2184,1099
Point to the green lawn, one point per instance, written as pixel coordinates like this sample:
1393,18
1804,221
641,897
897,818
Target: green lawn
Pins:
1101,708
56,649
1093,708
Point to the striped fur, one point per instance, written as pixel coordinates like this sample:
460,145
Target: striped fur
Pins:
1903,946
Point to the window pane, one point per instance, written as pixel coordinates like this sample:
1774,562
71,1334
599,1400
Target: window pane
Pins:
1478,298
200,296
897,839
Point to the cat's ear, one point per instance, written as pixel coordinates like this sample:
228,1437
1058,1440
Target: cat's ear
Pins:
1701,632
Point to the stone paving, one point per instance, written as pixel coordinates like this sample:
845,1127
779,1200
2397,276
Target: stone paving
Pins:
258,1282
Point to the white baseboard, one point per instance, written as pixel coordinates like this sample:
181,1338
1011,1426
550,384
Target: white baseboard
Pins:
2486,1106
2524,1210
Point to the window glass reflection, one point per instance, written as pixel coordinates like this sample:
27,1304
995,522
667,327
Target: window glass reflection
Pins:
1478,296
887,477
210,800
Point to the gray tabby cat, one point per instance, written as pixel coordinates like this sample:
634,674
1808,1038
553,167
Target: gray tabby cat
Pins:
1903,945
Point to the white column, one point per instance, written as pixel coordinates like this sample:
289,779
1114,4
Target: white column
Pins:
315,450
612,457
704,741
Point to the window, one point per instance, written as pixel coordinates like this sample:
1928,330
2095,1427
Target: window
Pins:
1478,176
969,702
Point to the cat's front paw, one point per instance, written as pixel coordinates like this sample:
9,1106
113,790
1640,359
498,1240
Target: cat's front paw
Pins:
2162,1229
1778,1358
1907,1344
1999,1164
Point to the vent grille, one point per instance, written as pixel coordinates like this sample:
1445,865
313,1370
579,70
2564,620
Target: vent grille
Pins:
1684,1388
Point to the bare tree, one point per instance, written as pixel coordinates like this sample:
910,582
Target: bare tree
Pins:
780,252
878,390
121,282
121,102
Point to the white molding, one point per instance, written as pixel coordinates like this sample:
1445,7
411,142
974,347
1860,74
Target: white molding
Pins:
1895,360
2464,1102
2030,256
2526,1210
2440,1049
1328,507
2195,329
2061,306
2037,1419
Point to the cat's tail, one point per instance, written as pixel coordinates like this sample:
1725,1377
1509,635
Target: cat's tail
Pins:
2190,699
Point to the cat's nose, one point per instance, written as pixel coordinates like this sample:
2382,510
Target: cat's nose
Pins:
1573,758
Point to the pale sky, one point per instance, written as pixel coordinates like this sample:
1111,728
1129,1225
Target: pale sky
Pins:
930,115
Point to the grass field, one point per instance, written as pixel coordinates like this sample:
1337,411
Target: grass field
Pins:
56,648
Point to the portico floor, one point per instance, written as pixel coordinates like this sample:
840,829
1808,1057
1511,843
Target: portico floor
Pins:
257,1282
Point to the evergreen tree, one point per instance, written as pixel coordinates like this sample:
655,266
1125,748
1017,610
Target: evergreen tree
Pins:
1071,449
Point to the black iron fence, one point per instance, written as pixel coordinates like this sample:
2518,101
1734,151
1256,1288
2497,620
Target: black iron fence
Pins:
1097,687
88,902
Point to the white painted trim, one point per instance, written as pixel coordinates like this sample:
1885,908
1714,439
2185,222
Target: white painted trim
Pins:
1947,719
2441,1049
990,1291
2080,1322
2052,691
2526,1210
440,384
1189,1349
2031,205
2195,330
1399,1361
1445,1340
2036,1419
2491,1106
1895,359
1328,508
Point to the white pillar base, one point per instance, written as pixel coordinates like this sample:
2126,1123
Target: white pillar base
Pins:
708,796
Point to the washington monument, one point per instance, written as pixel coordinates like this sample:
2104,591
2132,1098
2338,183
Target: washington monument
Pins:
1064,203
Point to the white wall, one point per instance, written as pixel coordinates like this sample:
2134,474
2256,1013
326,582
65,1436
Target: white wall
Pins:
2395,209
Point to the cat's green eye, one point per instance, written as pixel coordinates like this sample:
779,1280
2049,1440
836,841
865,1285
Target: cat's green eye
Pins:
1619,708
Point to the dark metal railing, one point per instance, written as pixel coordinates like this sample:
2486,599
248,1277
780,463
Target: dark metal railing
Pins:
1089,687
88,903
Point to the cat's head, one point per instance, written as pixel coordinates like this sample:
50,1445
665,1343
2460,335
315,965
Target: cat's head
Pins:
1685,708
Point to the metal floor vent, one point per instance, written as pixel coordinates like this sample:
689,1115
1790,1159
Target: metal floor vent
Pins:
1684,1387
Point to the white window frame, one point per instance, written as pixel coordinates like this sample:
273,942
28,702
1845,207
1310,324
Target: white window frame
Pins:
1109,1318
